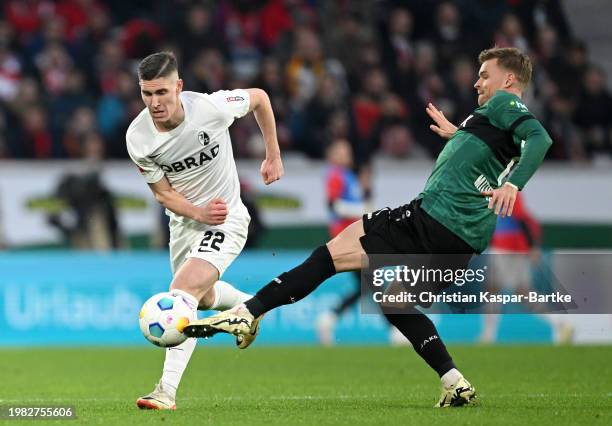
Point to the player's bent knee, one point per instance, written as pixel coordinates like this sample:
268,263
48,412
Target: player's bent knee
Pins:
346,250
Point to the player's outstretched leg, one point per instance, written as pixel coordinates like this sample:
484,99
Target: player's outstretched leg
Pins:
343,253
423,335
288,287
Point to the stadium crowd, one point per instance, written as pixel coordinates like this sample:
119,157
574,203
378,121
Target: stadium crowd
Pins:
360,70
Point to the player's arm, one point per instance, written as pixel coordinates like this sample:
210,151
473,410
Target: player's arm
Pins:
509,115
213,213
536,145
272,166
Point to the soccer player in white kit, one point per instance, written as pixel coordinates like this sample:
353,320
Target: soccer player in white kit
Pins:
181,145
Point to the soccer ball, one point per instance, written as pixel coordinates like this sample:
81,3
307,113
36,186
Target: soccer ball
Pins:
163,318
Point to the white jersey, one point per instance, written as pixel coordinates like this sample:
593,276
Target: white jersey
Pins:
196,157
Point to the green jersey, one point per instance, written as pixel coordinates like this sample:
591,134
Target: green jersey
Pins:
500,142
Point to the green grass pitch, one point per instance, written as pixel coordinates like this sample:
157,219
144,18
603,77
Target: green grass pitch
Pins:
316,386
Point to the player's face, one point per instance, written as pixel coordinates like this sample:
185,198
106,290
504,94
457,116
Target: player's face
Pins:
161,97
491,78
341,154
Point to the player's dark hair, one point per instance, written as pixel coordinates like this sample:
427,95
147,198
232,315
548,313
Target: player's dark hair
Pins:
157,65
511,59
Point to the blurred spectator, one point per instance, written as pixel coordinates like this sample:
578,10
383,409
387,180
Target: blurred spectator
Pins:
350,31
75,14
271,80
366,104
537,13
242,25
90,220
461,89
330,68
10,74
26,16
317,115
593,112
557,117
398,48
140,37
109,63
207,72
391,134
81,124
35,140
197,33
305,68
510,33
449,37
54,64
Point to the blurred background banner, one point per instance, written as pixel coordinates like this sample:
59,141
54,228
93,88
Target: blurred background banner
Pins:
556,195
67,298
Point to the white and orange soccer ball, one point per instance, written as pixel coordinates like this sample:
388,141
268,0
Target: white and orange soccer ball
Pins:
163,318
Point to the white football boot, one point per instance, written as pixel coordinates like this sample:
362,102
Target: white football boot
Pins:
159,399
460,393
326,325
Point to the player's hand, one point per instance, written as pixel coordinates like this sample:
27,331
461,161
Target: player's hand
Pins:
272,169
213,213
444,128
502,199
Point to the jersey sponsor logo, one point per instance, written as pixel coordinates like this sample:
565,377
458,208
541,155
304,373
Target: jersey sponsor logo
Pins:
520,105
482,184
203,138
189,162
234,99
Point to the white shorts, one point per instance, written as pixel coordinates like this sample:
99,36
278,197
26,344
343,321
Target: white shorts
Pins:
217,244
510,270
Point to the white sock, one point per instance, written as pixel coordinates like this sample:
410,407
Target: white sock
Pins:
451,377
227,296
489,330
178,357
175,364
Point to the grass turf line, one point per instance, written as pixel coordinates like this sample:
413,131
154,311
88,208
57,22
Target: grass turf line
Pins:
316,386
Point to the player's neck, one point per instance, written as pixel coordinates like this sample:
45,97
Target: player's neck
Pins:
514,90
173,122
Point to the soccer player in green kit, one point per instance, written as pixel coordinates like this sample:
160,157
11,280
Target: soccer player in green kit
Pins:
489,157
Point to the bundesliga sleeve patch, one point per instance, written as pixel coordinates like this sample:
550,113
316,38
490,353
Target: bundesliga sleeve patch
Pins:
234,99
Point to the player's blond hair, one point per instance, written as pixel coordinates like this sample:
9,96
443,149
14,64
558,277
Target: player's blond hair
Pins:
511,59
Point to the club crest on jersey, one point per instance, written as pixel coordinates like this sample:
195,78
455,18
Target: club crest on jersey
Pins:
203,138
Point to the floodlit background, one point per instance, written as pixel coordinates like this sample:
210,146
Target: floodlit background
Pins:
83,241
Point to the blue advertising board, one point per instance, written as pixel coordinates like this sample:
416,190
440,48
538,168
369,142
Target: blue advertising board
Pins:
85,298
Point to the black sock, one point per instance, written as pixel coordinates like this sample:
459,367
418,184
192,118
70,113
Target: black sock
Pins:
289,287
424,337
347,301
351,297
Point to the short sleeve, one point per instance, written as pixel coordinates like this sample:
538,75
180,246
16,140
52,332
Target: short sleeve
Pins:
507,111
149,169
232,104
